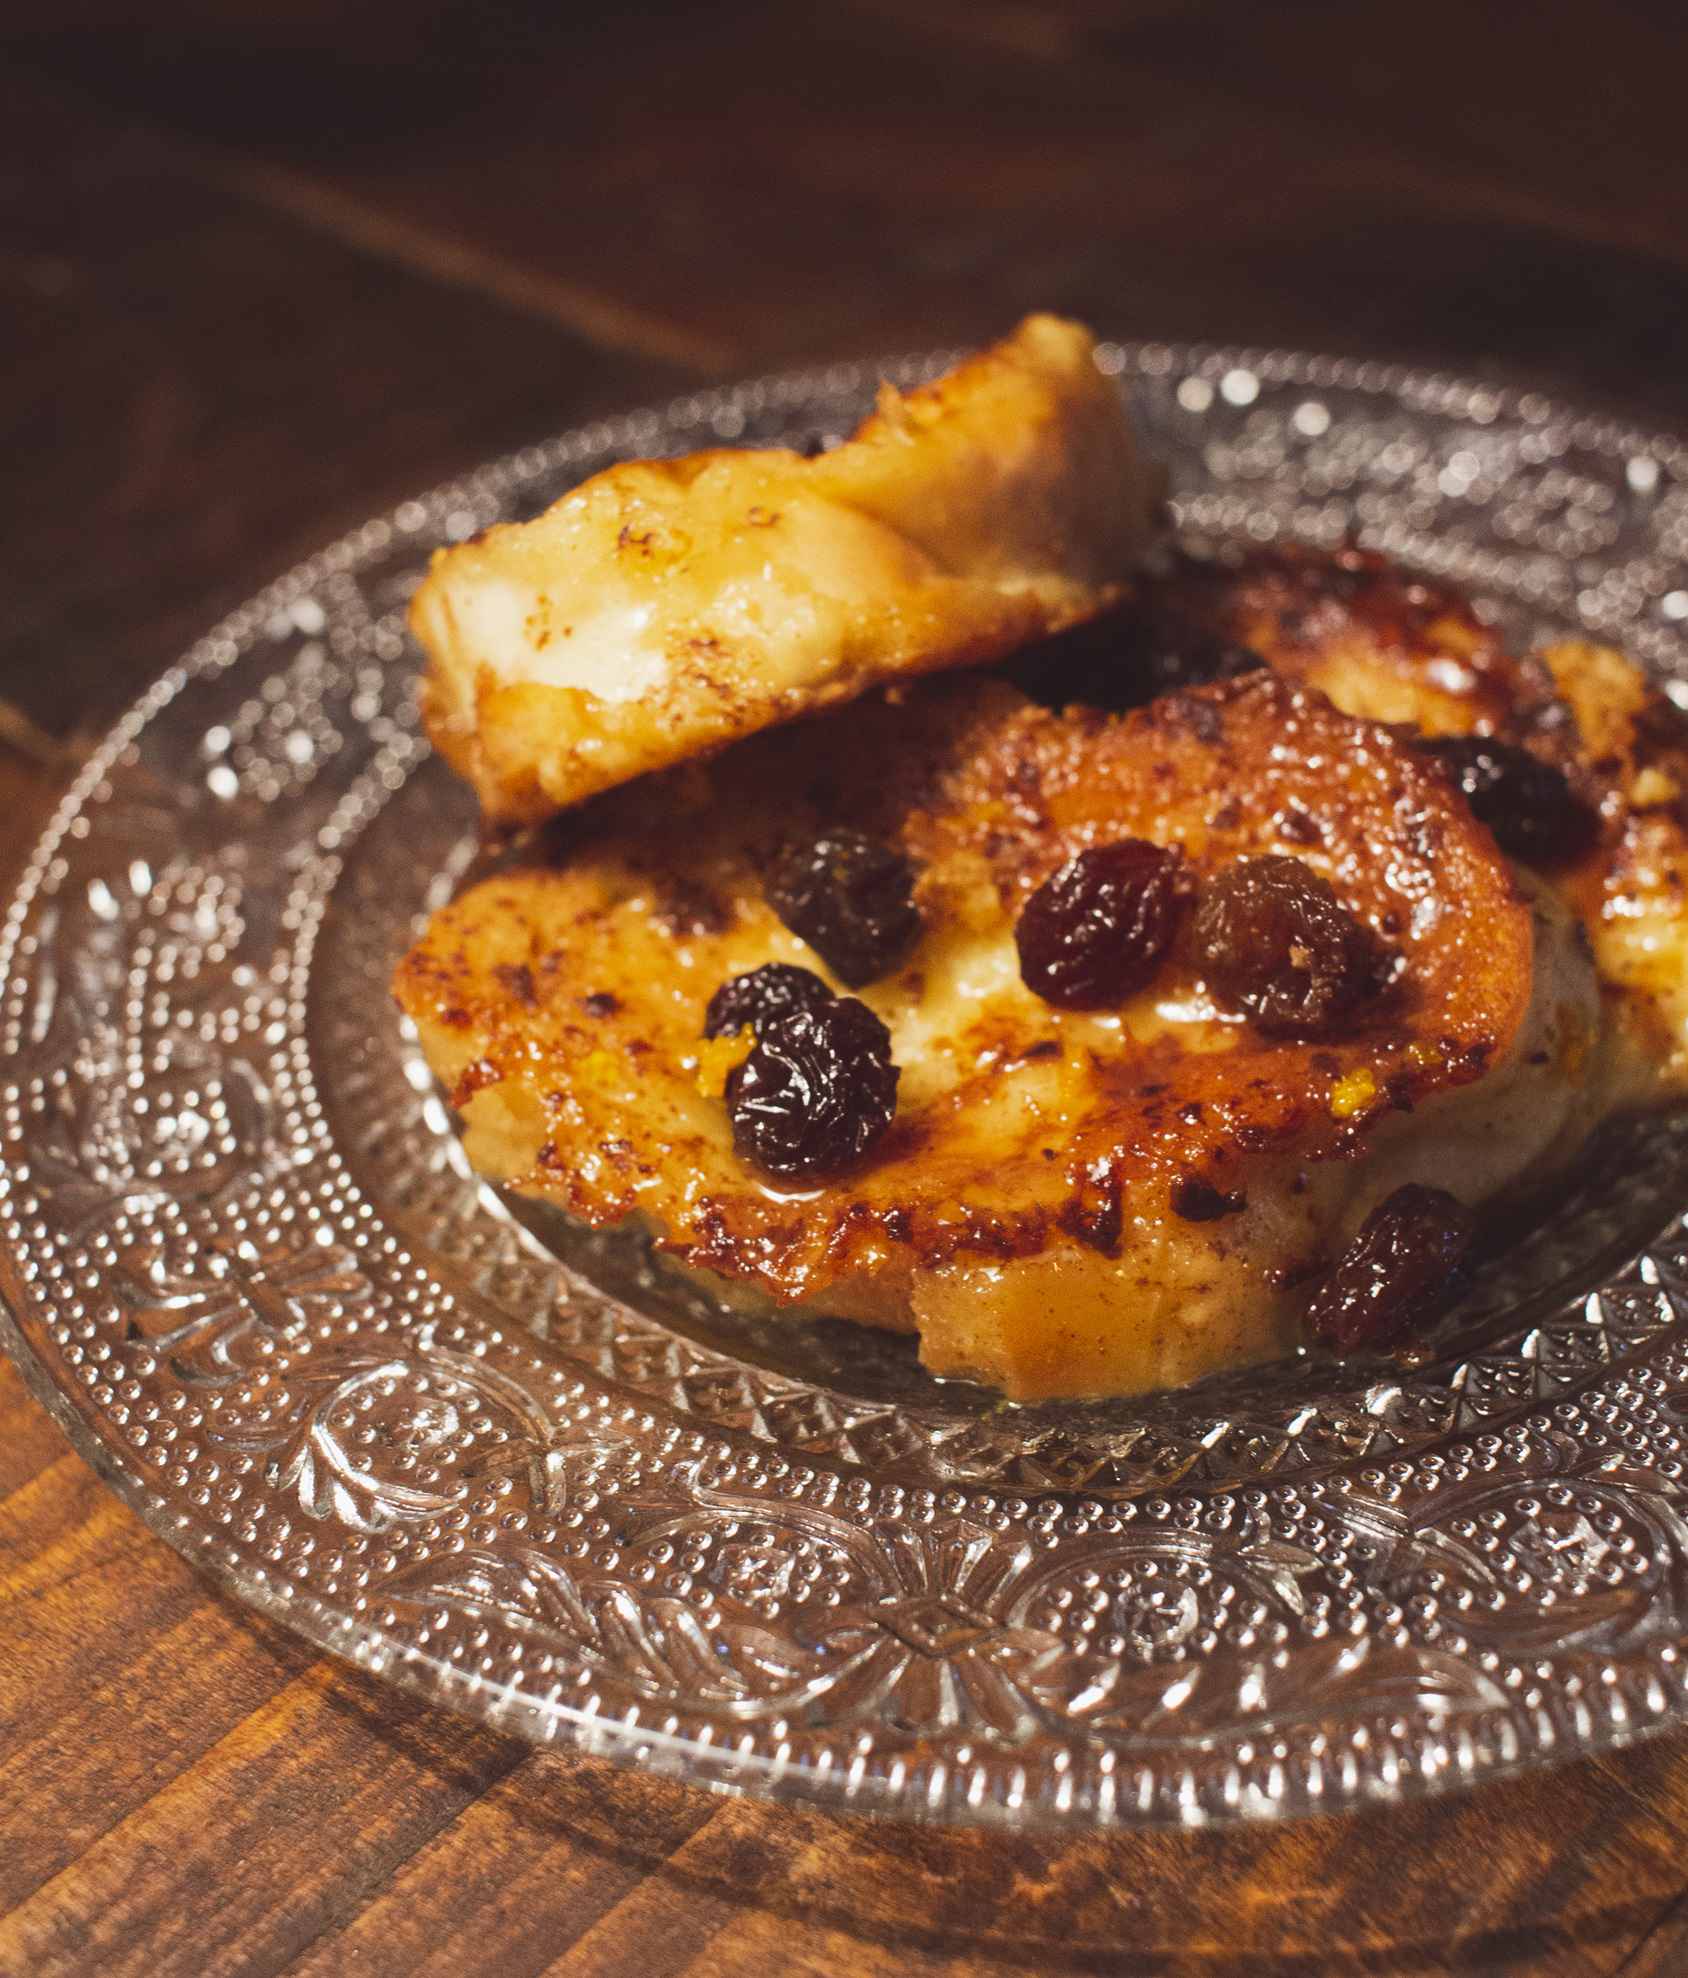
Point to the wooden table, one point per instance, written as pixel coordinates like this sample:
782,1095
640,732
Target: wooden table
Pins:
264,272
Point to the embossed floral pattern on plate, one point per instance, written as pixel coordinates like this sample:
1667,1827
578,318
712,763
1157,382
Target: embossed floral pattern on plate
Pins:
245,1264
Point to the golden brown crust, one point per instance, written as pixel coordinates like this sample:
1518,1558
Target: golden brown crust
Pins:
1394,647
1626,746
1021,1211
668,607
1379,641
575,993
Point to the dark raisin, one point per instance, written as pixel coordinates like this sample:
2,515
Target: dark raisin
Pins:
754,1000
1124,659
817,1090
1397,1272
1093,934
851,898
1528,804
1273,940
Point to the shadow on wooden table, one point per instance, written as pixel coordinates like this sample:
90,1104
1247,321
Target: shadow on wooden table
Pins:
1461,1883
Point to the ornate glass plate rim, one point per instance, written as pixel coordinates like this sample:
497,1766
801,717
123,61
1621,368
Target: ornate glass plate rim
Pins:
299,1397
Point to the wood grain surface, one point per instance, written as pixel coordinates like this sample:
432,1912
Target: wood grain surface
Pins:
263,271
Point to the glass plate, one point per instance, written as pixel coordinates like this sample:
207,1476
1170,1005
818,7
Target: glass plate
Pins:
248,1269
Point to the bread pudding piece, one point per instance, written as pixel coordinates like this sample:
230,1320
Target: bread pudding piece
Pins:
1384,644
1068,1201
667,607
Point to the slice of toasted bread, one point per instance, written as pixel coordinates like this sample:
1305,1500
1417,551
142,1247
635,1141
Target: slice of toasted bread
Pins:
668,607
1030,1209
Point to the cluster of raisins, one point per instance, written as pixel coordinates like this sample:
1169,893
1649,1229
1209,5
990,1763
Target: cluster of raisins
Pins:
1269,935
818,1087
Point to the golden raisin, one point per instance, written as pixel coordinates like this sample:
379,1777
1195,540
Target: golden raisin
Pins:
1274,941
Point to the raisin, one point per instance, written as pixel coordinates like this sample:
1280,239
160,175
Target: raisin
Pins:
753,1000
1093,933
1528,804
1273,940
851,898
1125,659
817,1090
1397,1272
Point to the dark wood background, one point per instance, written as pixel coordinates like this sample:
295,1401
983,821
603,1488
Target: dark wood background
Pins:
263,271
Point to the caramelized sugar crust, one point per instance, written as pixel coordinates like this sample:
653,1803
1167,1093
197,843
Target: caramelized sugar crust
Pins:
1396,648
1035,1149
669,607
